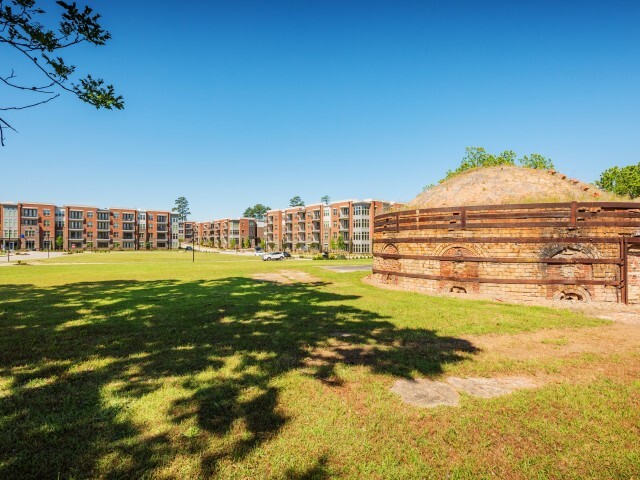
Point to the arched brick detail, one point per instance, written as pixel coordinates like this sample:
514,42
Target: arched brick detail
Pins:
461,269
570,251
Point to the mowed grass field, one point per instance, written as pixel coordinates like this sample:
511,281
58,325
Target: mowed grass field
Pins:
145,365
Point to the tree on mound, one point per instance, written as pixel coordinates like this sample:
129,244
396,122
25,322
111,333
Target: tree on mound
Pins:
621,180
478,157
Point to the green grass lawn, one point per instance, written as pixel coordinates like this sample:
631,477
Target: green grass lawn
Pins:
129,365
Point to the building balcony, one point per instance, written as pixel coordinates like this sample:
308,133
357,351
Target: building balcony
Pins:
77,229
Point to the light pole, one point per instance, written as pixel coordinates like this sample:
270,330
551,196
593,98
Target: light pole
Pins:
193,245
9,247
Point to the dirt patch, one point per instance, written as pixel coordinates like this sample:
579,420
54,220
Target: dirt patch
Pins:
429,393
561,343
286,277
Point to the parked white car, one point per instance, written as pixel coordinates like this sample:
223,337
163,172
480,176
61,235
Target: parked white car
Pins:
273,256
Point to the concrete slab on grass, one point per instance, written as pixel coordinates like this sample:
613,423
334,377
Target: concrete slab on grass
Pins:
426,393
429,393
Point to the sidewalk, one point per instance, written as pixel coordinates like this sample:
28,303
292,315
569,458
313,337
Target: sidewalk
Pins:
28,256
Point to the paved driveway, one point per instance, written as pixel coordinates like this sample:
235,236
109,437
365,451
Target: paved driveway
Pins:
29,256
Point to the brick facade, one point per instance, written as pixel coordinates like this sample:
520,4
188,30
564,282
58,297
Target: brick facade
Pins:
576,251
318,227
37,226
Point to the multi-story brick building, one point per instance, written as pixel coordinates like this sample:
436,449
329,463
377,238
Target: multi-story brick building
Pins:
233,232
38,226
344,225
27,225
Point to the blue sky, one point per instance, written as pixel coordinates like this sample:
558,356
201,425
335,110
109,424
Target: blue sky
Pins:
235,103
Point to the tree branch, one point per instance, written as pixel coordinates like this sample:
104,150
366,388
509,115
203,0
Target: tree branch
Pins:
22,87
32,105
3,125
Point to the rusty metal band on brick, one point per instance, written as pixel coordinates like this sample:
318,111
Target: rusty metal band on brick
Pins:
524,244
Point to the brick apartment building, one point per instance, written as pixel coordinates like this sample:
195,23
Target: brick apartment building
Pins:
228,232
36,226
319,227
27,225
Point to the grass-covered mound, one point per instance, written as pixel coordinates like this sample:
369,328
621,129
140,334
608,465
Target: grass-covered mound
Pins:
509,184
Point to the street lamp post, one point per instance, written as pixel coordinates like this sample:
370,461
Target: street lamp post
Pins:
193,245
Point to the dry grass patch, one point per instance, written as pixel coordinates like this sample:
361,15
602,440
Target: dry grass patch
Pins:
286,277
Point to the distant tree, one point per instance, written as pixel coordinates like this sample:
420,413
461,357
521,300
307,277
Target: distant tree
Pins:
116,245
332,244
340,245
182,208
59,242
621,180
258,211
233,243
296,202
247,243
147,245
326,199
23,29
263,244
89,245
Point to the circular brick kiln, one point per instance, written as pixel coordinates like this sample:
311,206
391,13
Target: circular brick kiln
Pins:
578,251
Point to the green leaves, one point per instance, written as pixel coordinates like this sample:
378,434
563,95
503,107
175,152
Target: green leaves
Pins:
23,28
258,211
478,157
296,202
92,92
182,208
621,180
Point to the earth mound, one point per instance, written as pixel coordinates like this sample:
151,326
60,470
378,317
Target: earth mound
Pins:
509,184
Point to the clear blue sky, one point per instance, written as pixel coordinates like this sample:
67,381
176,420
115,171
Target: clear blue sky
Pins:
235,103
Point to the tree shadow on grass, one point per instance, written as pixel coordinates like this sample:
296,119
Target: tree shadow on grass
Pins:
75,359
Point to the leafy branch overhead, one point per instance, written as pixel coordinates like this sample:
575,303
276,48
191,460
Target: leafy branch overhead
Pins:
22,30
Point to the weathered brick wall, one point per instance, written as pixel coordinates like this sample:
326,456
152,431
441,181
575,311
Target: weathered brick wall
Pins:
555,251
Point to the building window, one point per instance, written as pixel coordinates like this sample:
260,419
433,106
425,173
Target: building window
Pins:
116,215
89,214
46,212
